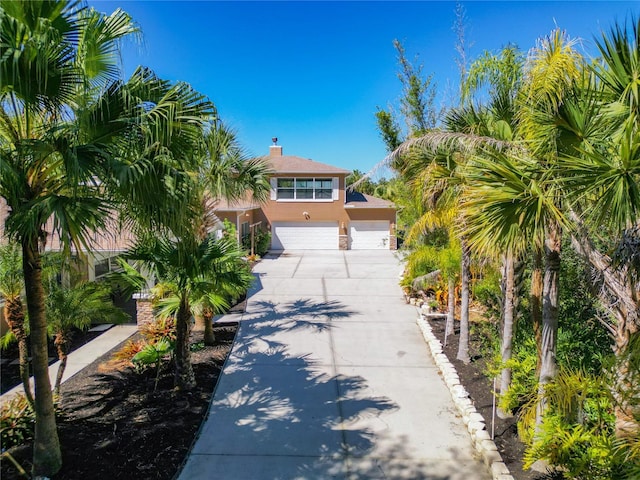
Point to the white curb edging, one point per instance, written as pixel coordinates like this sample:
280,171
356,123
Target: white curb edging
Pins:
473,420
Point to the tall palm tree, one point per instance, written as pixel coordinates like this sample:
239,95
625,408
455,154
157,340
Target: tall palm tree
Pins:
225,172
43,168
75,142
601,176
193,266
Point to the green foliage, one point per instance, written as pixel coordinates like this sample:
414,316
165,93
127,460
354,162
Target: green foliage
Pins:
577,433
229,229
262,239
523,375
153,354
421,261
486,339
582,341
17,421
365,186
582,453
486,290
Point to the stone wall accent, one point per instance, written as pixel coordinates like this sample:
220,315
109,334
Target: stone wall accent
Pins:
144,309
475,422
393,242
343,242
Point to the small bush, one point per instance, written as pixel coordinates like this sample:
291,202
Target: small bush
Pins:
262,239
17,420
123,358
158,330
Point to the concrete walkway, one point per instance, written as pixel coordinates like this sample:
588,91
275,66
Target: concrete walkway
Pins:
329,377
82,357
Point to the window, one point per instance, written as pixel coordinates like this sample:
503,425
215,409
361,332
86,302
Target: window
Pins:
305,189
244,229
285,188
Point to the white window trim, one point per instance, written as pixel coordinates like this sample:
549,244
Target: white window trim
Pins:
335,193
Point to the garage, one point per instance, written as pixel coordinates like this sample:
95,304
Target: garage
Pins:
369,235
304,236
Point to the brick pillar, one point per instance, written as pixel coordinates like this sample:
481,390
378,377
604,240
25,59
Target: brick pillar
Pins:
144,309
343,242
393,240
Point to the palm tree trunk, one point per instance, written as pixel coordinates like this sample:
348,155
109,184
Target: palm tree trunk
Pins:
508,314
549,367
61,347
535,300
465,275
450,325
47,457
14,316
204,324
209,337
184,376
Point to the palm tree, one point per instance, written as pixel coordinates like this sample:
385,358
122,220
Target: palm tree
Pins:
225,172
601,177
75,141
11,287
43,167
76,308
197,269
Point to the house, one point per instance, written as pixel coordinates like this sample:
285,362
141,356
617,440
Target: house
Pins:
310,208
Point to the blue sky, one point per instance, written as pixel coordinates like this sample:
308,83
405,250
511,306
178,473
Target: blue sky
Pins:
313,73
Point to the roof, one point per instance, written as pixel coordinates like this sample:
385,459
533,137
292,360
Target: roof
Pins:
362,200
292,164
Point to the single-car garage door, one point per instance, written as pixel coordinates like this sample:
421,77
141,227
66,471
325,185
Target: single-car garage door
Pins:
369,235
304,236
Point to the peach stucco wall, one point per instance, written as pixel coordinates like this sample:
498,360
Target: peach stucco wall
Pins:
293,211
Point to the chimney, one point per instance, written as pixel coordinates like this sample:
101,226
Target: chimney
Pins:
275,150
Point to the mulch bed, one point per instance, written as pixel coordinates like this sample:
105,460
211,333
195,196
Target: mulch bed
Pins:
480,390
113,425
11,370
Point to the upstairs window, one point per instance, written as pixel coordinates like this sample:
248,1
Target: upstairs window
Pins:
306,189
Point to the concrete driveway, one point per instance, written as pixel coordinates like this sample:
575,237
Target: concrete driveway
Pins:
330,378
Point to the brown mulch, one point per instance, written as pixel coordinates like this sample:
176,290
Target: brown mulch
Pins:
480,390
113,425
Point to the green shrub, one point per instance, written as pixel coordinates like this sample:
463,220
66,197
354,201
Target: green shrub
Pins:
582,453
487,292
153,354
262,239
17,421
577,432
523,376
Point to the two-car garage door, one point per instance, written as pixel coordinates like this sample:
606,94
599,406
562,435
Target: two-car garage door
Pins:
304,236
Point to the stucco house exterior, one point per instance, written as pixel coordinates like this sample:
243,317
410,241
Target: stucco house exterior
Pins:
310,208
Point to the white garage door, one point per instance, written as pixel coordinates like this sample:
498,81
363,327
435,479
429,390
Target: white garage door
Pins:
304,236
369,235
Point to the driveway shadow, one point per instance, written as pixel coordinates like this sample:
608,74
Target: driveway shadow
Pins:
278,410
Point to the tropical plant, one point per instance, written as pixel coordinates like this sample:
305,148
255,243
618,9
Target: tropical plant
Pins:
152,354
192,268
74,308
75,141
17,420
11,287
42,172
